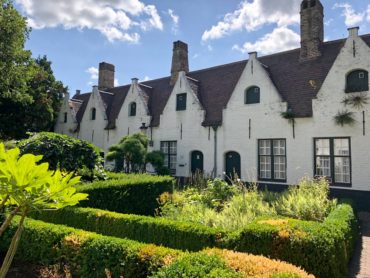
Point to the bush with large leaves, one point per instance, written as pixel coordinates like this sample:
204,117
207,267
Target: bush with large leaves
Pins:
26,185
66,153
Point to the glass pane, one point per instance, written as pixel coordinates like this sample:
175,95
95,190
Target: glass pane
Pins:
265,167
164,147
279,167
323,166
322,147
279,147
173,162
341,146
265,147
342,170
173,147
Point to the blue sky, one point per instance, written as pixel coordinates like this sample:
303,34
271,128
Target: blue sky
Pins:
137,35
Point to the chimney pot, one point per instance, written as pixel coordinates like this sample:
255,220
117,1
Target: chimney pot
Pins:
106,76
134,80
180,61
353,32
252,55
78,92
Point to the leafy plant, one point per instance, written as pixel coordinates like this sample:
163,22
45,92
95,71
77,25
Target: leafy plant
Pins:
65,153
156,158
26,185
357,101
129,153
344,118
309,200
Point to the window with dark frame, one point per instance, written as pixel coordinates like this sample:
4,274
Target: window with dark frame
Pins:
181,102
132,109
357,81
65,117
272,159
333,160
252,95
93,114
169,148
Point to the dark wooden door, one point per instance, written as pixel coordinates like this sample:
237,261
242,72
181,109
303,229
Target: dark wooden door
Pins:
232,164
196,161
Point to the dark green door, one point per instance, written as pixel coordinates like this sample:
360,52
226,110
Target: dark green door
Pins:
232,162
196,161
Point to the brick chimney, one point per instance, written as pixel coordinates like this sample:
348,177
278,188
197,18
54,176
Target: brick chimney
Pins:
180,60
106,76
312,29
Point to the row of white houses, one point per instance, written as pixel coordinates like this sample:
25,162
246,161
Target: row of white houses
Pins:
272,119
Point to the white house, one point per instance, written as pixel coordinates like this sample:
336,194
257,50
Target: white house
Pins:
273,119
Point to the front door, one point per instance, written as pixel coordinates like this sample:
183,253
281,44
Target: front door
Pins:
232,163
196,162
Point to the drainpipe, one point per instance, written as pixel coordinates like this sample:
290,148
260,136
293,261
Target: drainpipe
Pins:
215,151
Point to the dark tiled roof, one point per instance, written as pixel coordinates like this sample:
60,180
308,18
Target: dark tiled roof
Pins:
298,83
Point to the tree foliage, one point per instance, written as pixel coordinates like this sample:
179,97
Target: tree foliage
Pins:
66,153
26,184
29,94
130,152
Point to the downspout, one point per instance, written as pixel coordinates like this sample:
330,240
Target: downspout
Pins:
215,127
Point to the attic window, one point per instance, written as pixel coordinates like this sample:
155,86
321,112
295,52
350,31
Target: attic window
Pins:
181,102
252,95
132,111
93,114
65,117
357,81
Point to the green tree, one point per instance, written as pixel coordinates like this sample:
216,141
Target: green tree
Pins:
130,152
30,96
26,185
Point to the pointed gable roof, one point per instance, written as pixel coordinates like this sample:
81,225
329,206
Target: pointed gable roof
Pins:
297,83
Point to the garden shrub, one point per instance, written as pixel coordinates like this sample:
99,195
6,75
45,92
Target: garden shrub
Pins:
197,265
323,249
134,193
307,201
87,254
258,266
67,153
159,231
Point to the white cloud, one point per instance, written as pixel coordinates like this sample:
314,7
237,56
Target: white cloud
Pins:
368,13
253,15
115,19
94,73
280,39
116,83
351,17
146,78
175,20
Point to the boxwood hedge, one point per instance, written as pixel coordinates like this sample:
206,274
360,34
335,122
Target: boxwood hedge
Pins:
323,249
136,194
87,254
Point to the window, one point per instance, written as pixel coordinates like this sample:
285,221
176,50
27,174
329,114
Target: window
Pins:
357,81
252,95
93,114
272,159
65,117
180,102
333,160
132,109
169,148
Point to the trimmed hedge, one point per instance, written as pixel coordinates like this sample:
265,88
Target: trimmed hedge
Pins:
131,193
160,231
323,249
87,254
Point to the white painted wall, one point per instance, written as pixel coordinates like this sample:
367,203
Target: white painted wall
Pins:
266,122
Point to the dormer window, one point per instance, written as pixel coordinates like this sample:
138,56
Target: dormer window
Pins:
132,109
93,114
357,81
181,102
65,117
252,95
